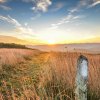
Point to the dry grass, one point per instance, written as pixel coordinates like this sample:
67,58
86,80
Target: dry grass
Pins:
44,76
14,56
59,74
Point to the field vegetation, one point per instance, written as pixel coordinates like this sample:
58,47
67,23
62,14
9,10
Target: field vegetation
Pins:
34,75
12,45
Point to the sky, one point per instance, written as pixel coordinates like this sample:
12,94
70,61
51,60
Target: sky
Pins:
50,21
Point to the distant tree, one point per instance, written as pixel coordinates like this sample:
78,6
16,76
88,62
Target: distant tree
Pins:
12,45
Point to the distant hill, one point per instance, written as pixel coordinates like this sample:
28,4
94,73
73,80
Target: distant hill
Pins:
93,40
95,47
10,39
91,44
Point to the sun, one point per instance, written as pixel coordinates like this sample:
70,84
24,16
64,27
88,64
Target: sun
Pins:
51,42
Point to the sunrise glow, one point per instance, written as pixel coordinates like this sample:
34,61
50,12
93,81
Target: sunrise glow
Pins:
50,21
51,42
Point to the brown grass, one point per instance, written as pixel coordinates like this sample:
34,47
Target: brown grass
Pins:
60,71
44,75
14,56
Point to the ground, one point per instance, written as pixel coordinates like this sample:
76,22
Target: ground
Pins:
37,75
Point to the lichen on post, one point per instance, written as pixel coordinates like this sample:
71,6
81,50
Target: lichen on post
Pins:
81,79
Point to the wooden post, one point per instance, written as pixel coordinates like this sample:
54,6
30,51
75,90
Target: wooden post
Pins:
81,79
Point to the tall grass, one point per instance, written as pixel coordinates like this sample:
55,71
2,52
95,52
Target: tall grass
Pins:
45,75
15,56
59,76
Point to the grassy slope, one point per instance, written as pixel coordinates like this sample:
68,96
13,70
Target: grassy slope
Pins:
46,76
10,39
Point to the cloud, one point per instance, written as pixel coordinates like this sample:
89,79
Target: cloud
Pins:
96,2
84,4
80,5
18,27
72,15
5,7
87,3
2,1
40,5
10,20
58,6
68,19
73,12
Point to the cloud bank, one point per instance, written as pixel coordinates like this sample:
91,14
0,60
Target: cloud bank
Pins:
18,27
40,5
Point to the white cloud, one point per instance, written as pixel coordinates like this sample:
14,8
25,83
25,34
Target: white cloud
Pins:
88,3
73,10
96,2
57,6
68,19
2,1
5,7
33,8
72,15
18,27
40,5
26,24
10,20
80,5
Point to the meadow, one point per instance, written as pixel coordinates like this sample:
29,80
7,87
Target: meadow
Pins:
36,75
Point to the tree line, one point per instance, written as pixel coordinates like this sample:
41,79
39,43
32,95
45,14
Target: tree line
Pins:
12,45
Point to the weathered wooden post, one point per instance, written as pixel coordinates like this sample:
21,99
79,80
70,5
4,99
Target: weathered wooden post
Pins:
81,79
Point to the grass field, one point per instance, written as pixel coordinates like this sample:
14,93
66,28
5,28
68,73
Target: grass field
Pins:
35,75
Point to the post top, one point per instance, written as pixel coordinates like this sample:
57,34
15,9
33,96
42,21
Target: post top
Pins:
81,57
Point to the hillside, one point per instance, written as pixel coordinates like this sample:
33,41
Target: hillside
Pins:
10,39
12,45
91,47
94,40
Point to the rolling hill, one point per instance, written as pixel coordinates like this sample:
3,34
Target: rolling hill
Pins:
10,39
91,47
93,40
